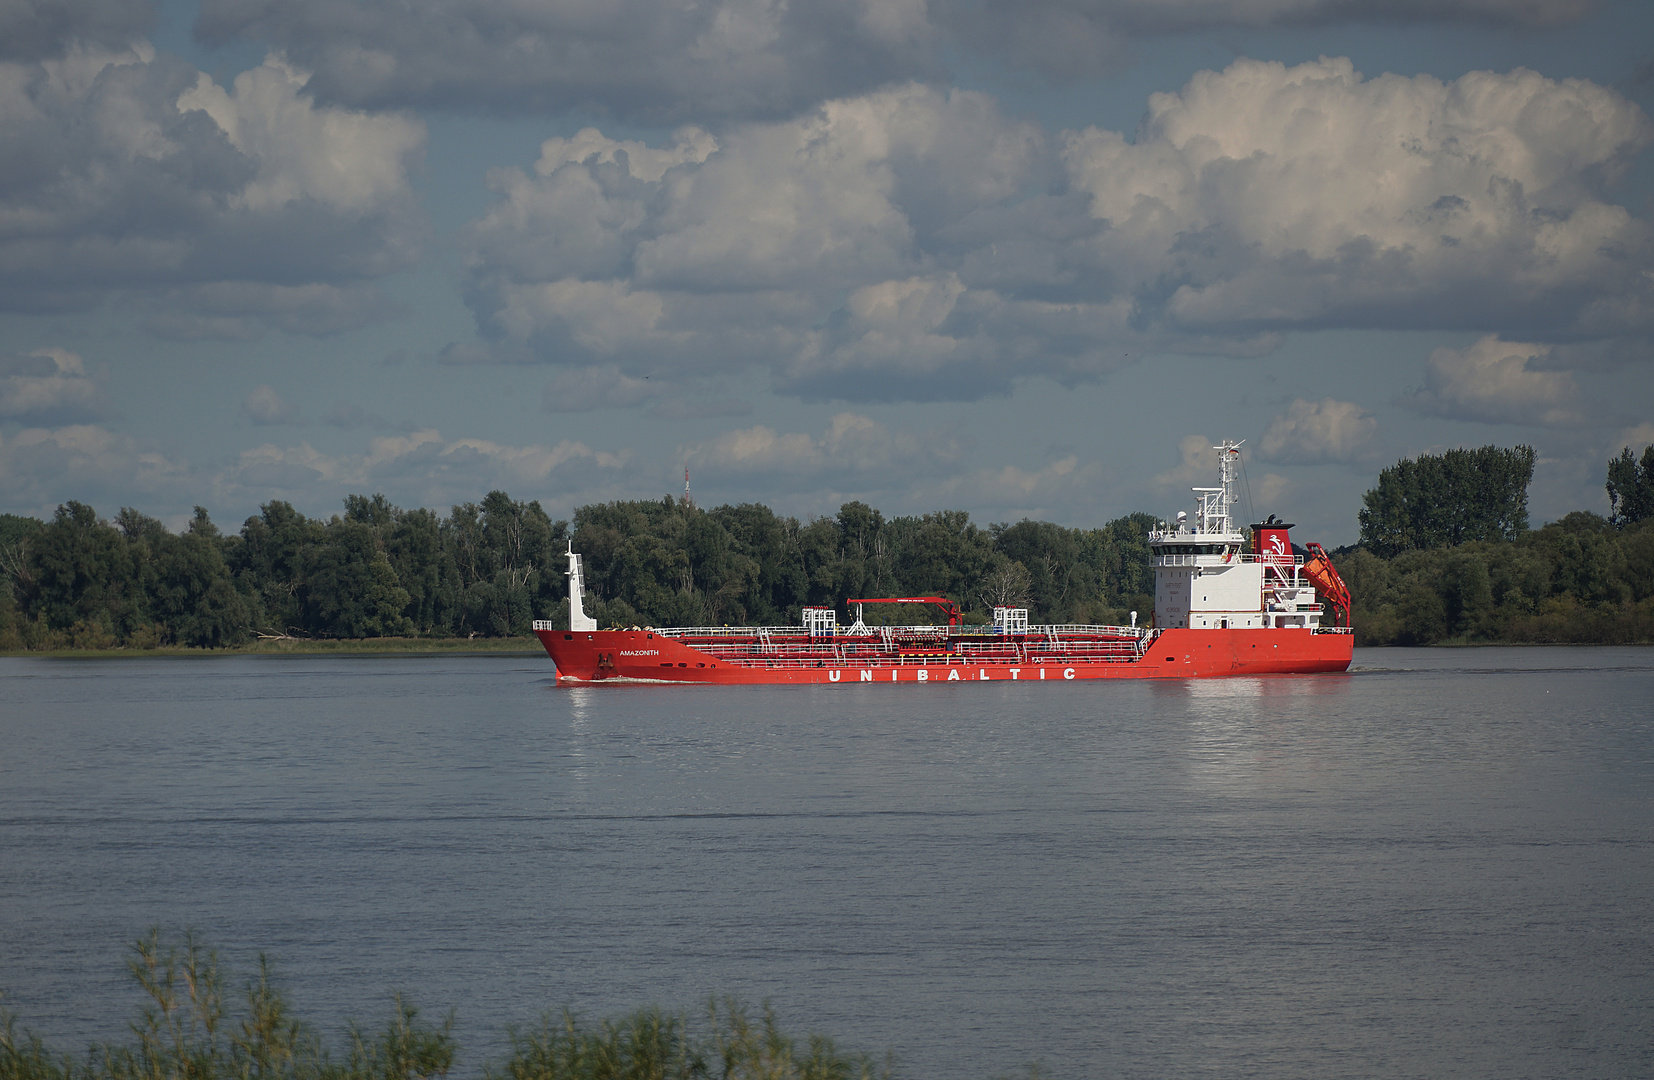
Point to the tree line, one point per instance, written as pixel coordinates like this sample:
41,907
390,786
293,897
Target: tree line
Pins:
489,569
1445,555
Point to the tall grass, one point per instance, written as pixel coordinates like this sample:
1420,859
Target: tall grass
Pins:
187,1028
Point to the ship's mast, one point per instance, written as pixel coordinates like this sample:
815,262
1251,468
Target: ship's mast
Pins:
578,619
1215,516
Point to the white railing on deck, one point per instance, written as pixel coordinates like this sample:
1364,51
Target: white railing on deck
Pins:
1194,560
886,634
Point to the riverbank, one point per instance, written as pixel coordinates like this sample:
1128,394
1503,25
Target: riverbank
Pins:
512,646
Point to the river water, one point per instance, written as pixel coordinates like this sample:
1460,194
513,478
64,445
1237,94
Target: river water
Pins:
1439,864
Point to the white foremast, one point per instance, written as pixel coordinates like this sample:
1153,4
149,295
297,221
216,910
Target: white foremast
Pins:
578,619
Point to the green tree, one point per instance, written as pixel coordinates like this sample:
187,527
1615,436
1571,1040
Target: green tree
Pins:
426,569
270,561
1447,499
1631,487
194,596
81,573
339,577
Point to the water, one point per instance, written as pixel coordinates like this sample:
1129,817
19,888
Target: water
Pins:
1437,865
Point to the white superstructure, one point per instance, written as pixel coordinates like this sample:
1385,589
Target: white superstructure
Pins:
1207,578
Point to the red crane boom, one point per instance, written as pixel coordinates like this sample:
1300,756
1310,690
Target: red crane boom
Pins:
948,607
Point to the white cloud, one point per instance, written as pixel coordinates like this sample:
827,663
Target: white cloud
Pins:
1196,466
1304,196
914,244
1317,432
40,467
591,146
265,406
853,447
131,173
1497,382
1021,492
1636,438
422,468
48,386
352,162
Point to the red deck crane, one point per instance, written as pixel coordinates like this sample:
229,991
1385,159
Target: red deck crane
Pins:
949,608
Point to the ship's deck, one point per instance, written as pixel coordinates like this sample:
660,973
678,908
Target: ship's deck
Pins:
913,646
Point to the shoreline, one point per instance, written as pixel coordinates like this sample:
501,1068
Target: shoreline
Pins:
515,646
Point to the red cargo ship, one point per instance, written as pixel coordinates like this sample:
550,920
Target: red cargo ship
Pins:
1226,602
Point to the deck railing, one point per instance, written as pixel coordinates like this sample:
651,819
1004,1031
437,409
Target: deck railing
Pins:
1194,560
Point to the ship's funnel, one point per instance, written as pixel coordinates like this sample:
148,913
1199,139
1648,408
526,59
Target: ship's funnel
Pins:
1272,540
578,619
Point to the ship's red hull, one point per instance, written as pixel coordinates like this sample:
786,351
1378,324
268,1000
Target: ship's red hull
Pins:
644,656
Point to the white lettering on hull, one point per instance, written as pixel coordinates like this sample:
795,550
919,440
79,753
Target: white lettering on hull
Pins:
1014,673
953,676
832,676
1068,673
924,675
867,676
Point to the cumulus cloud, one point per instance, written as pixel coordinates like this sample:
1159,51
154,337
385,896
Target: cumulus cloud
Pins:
49,386
1269,196
852,447
423,468
899,470
656,60
1497,382
220,208
38,465
265,406
915,244
1196,465
1318,432
1017,491
810,247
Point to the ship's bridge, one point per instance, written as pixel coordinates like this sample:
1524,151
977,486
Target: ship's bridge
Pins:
1206,578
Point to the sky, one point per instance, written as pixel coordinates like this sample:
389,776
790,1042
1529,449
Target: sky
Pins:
1022,259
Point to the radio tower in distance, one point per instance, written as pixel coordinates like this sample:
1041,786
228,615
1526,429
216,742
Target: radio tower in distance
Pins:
687,501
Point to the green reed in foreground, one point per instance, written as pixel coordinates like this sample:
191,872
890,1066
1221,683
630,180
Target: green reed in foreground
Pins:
188,1030
184,1031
